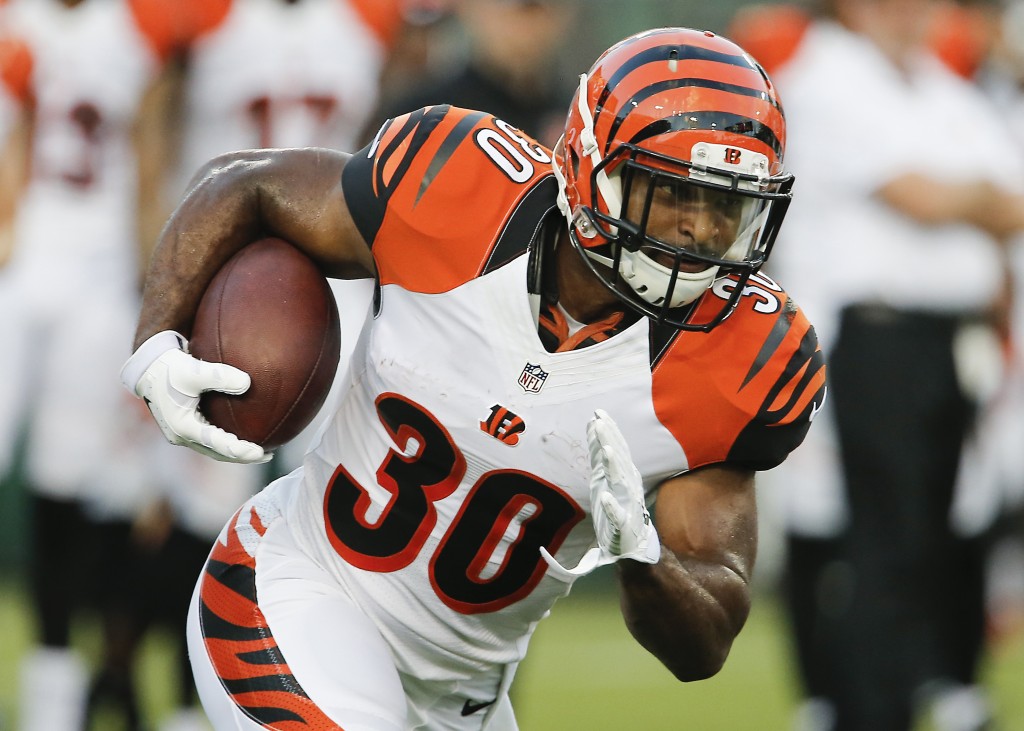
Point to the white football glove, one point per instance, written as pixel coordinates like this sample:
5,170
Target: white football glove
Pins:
170,381
622,524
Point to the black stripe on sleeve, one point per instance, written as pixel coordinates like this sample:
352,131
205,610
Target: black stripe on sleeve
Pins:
525,223
447,149
766,441
362,180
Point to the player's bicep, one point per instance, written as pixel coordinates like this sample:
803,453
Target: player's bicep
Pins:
302,202
711,515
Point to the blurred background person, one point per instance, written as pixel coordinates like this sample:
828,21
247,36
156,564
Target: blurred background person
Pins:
158,556
983,40
15,76
909,198
69,291
508,62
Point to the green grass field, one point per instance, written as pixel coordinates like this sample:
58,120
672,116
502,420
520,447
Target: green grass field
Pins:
584,672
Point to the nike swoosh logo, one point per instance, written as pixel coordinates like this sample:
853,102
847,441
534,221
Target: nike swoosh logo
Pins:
815,407
469,707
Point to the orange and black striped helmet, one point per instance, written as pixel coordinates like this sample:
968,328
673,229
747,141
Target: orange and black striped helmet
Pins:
671,172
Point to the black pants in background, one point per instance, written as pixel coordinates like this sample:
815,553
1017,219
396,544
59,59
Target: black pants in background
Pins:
915,610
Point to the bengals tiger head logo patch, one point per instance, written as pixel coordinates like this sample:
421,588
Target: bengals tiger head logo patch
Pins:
503,425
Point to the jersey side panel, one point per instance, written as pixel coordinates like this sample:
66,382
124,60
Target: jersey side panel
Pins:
424,165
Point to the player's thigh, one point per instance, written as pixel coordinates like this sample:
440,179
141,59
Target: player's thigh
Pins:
272,638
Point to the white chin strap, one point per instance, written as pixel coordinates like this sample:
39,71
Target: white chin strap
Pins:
650,280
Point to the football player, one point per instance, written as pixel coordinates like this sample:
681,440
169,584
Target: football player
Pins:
560,338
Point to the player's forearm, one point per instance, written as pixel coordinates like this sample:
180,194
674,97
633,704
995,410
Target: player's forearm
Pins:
216,218
929,201
237,198
685,612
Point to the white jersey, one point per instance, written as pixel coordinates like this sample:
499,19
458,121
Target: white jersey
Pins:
91,65
394,580
278,74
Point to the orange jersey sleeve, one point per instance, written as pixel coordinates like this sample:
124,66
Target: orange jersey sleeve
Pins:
745,393
16,68
171,27
384,17
443,194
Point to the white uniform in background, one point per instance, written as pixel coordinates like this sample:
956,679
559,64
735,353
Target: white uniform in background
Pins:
280,74
934,269
69,292
70,288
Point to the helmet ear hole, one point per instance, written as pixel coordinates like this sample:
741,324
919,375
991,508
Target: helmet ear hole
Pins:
574,160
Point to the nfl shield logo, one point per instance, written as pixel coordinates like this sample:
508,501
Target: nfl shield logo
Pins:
532,378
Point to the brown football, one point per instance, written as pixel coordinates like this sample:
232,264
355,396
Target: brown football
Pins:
270,312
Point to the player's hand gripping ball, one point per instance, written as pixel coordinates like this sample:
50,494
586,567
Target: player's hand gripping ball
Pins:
270,312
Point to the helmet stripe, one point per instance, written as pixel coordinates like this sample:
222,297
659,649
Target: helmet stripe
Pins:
653,89
706,84
663,53
718,121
